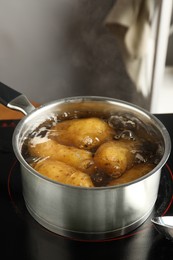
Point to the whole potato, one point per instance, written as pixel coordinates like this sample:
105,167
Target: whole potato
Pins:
78,158
61,172
114,157
84,133
132,174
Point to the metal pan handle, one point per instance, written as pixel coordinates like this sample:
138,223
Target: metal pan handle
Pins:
14,99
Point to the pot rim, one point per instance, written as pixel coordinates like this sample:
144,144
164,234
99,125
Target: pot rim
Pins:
160,126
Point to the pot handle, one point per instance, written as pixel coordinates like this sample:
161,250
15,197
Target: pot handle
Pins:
14,99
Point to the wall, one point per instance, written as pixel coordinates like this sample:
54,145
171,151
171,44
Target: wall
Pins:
169,58
51,49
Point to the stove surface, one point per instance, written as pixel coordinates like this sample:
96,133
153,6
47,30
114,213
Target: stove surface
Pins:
24,238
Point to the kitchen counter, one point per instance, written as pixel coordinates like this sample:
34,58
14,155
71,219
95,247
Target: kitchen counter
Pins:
7,113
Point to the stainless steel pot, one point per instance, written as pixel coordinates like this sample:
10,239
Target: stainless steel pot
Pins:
84,213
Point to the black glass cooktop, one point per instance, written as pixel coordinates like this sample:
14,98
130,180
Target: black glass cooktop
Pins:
23,238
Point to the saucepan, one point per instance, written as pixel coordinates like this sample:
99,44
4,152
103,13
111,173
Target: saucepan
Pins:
85,213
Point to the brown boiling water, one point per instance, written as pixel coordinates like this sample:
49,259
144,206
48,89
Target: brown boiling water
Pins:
127,127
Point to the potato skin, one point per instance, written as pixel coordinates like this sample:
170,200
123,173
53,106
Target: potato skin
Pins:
114,158
63,173
132,174
84,133
78,158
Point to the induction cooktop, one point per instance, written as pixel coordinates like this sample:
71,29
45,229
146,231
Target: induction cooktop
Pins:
23,238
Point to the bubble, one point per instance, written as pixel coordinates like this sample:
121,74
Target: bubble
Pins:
146,151
126,134
100,179
122,122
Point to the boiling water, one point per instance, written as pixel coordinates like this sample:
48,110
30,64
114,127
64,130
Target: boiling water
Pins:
127,127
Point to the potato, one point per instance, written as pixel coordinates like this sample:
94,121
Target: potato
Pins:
78,158
132,174
85,133
114,157
61,172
